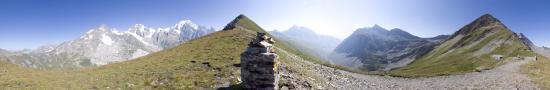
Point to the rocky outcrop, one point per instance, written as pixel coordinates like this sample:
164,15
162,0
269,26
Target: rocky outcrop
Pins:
497,57
259,64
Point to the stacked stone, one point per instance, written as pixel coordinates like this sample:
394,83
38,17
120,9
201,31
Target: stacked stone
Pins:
259,65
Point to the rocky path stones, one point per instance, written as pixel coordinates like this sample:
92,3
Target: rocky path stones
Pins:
504,77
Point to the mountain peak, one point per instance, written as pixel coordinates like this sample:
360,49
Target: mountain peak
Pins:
233,23
486,19
184,23
299,30
137,27
376,26
376,29
397,30
241,16
45,48
101,28
482,21
298,27
243,22
401,33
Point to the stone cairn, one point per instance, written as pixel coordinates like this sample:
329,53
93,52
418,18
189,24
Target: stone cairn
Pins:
259,64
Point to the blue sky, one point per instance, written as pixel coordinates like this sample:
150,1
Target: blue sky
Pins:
31,23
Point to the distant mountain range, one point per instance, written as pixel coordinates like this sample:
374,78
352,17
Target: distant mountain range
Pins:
545,51
104,45
377,48
308,41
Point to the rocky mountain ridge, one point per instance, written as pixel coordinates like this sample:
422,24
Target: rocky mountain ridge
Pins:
376,48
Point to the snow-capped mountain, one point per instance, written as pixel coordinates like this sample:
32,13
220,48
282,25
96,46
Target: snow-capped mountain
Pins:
104,45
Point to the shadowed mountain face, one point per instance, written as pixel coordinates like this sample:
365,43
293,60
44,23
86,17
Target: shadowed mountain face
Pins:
308,41
469,49
377,48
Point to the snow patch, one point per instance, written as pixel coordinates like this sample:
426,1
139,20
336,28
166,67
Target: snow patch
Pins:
151,33
86,37
178,31
103,28
90,31
50,49
139,53
106,39
186,22
139,28
117,32
140,39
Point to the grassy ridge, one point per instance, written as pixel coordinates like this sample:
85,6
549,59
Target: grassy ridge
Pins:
539,71
461,54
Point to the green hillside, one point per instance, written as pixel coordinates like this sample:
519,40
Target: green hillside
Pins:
469,49
539,71
204,63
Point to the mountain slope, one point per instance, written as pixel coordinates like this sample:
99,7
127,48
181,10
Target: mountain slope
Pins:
308,41
104,45
376,48
472,48
539,71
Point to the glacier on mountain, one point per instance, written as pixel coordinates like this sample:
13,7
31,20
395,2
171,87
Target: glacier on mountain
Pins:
104,45
106,39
